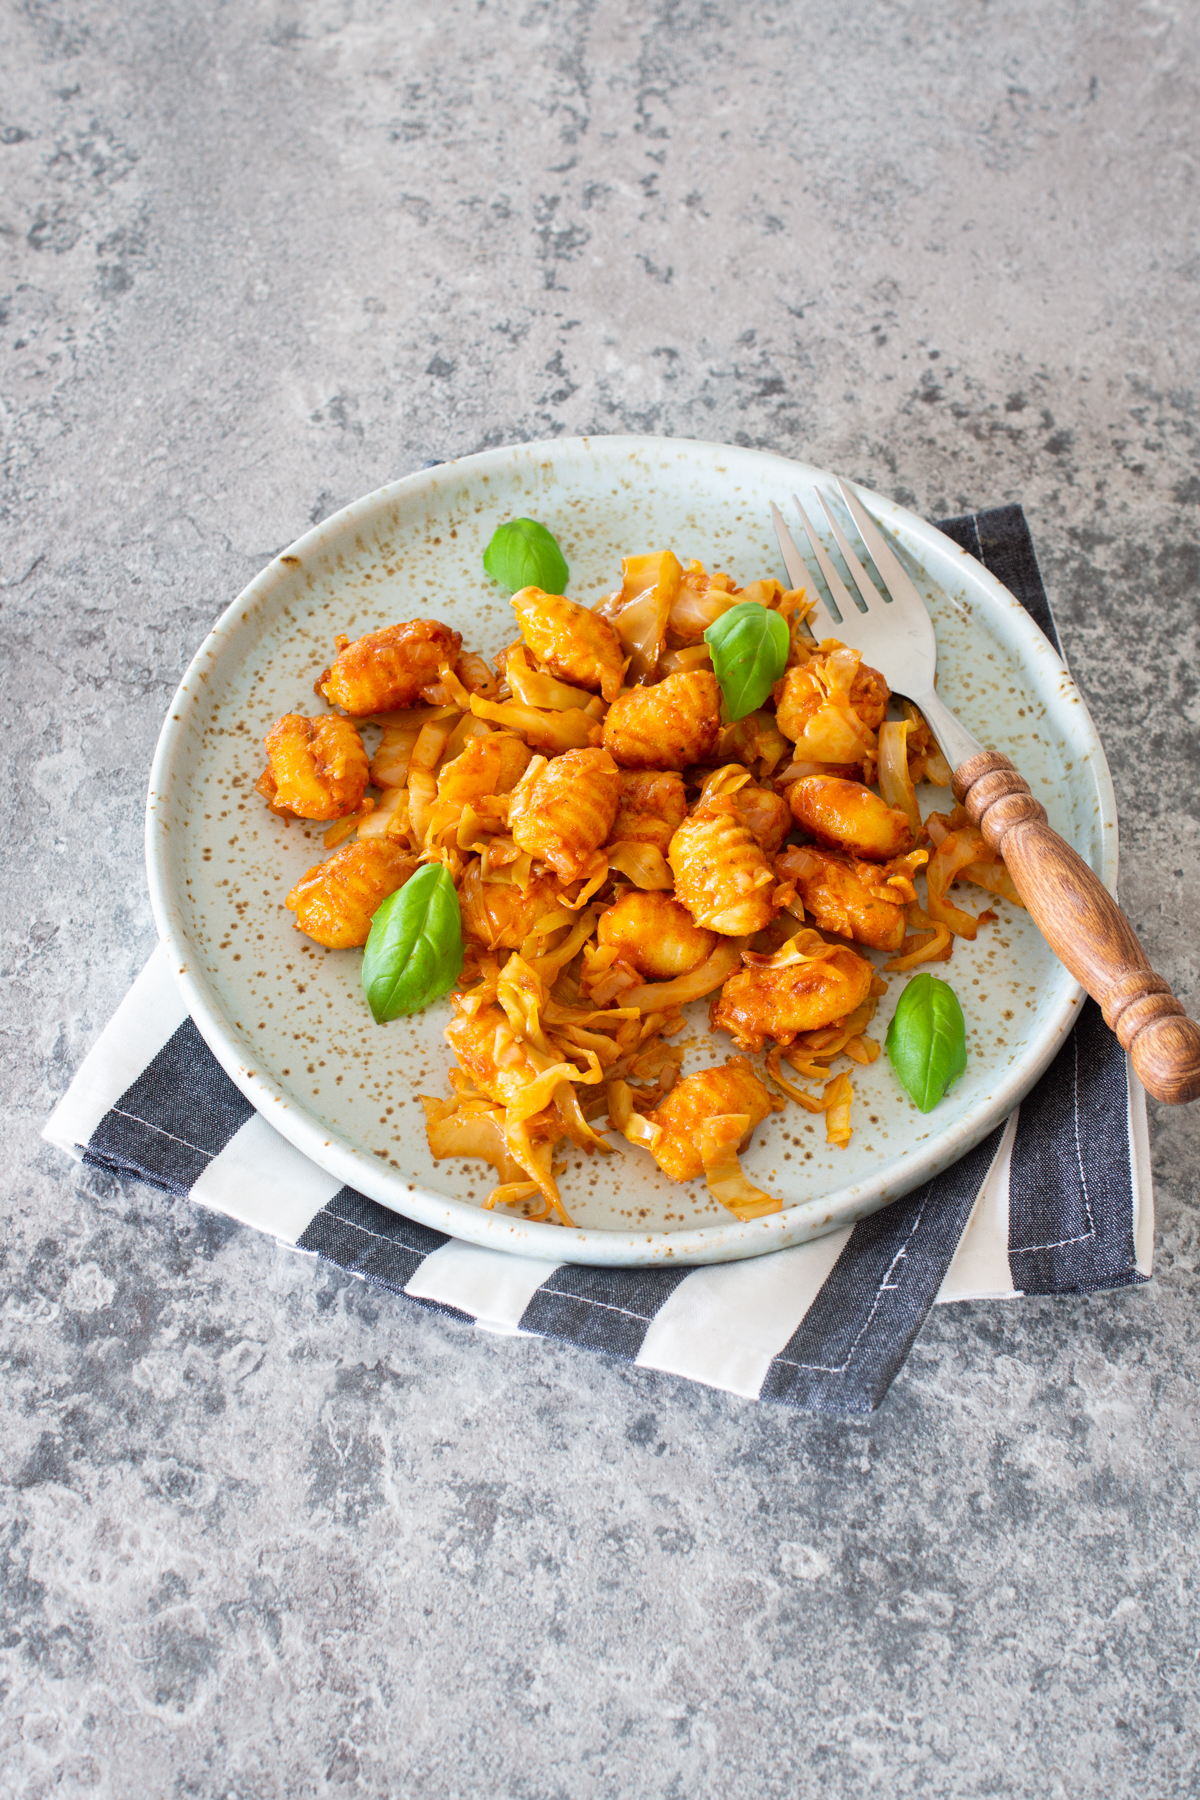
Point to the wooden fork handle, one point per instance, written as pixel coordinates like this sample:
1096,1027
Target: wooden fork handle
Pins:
1085,927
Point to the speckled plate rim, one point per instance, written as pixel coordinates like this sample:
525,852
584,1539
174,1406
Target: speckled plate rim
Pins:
339,1156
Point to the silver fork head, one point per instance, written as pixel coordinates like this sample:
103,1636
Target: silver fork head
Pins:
825,622
866,587
892,630
800,574
840,594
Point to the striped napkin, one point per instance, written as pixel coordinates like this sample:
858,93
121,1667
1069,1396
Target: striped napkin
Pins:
1057,1199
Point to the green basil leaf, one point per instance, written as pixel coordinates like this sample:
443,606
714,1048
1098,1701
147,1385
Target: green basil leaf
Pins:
415,951
749,645
524,554
927,1040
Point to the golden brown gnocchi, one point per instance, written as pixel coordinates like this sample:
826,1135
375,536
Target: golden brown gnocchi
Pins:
336,901
562,811
573,642
655,935
846,815
732,1088
847,896
721,873
389,668
761,1003
651,808
670,725
316,768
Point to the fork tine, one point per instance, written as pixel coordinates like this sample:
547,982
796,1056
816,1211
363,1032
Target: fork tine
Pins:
837,587
799,573
866,587
897,583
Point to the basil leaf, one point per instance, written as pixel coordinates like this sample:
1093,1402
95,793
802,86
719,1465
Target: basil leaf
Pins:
927,1040
524,554
749,645
415,951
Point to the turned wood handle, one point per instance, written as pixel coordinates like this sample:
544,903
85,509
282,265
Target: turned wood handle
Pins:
1085,927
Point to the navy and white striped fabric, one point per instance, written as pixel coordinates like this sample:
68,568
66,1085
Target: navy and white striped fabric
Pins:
1056,1200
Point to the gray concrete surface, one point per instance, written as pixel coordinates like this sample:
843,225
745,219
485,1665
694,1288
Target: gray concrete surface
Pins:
269,1533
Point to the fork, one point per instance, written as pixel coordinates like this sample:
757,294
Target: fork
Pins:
1075,913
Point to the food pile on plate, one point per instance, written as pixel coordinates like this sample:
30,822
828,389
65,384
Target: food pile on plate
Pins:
673,795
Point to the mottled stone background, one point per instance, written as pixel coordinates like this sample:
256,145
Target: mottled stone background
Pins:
269,1533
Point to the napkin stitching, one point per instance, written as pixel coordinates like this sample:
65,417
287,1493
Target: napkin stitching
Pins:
885,1286
1061,1243
380,1236
150,1126
557,1293
562,1294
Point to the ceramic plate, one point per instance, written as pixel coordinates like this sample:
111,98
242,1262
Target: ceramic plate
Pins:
287,1019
